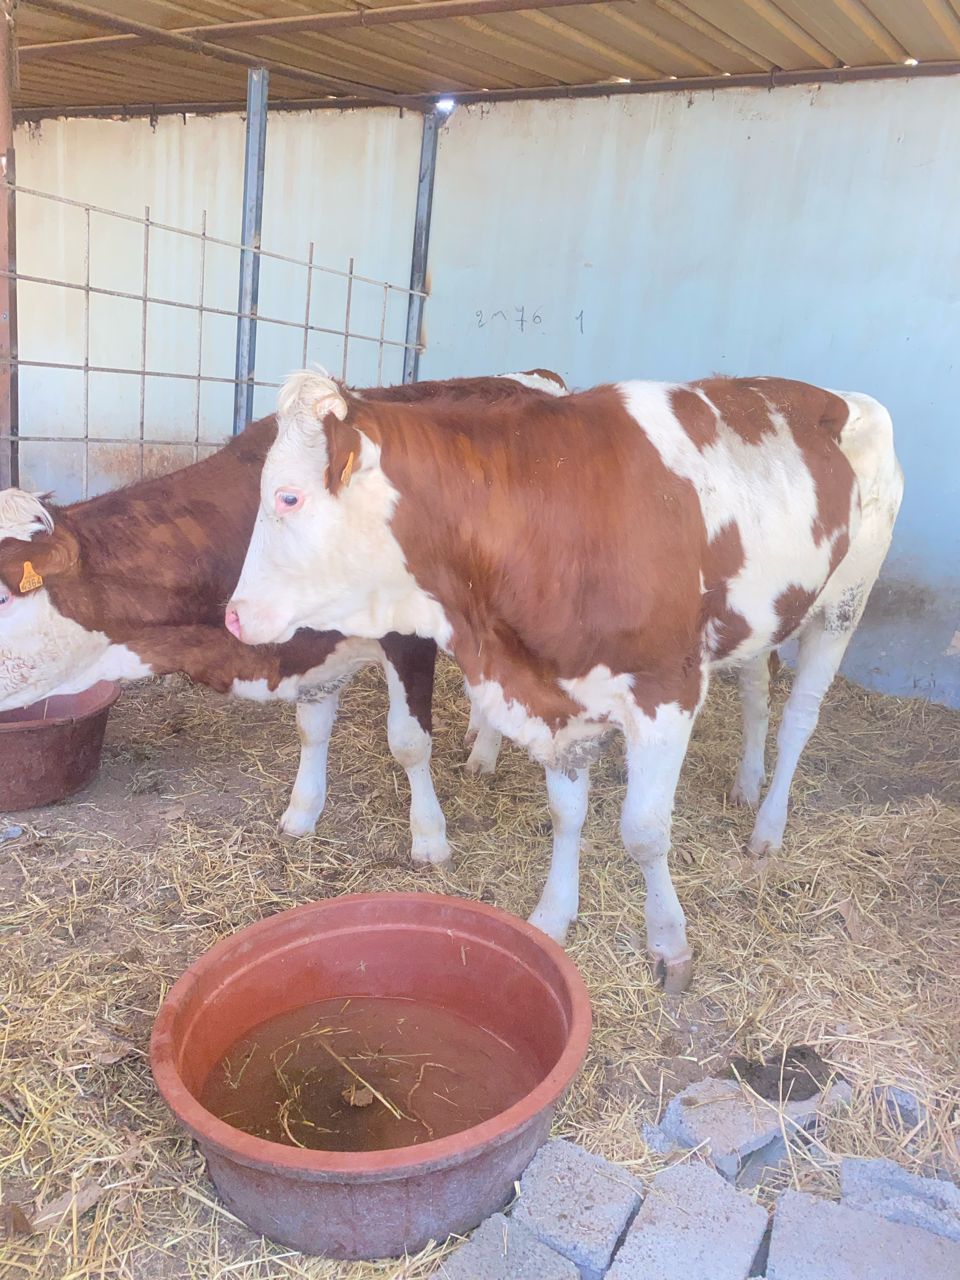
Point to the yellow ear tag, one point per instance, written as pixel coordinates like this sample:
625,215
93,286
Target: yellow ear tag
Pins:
31,580
347,471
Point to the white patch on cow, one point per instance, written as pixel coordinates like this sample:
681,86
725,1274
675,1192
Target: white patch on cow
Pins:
22,515
742,482
335,564
604,695
553,750
536,382
42,652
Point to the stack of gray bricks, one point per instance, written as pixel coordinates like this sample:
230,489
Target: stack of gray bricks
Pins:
580,1217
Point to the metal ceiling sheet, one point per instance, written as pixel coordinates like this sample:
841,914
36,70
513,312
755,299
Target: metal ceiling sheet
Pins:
537,47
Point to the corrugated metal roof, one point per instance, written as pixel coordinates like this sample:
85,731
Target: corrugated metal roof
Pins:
116,54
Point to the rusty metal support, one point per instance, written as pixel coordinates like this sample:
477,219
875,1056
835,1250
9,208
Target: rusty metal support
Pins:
421,244
255,151
143,33
9,409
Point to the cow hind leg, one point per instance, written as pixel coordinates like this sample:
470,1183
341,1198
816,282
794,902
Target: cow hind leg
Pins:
823,642
411,746
754,679
655,755
315,721
557,908
484,742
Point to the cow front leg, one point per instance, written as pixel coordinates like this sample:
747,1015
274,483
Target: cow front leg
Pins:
754,678
655,754
557,908
409,681
315,721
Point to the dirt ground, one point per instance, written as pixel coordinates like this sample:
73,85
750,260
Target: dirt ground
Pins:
849,942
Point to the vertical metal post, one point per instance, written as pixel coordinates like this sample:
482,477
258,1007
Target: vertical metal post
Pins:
255,151
203,279
346,322
143,331
421,244
9,411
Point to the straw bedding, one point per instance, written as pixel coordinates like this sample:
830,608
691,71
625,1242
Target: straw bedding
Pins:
849,941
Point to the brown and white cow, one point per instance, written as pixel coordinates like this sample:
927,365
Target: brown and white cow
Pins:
133,583
588,561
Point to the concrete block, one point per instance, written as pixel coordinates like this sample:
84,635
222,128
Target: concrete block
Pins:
501,1249
882,1187
578,1204
726,1121
694,1225
902,1106
762,1166
820,1240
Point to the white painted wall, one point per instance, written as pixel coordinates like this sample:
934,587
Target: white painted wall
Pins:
346,180
808,232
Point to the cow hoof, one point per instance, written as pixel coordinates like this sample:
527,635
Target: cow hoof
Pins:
761,847
673,975
297,825
745,795
553,927
480,764
430,851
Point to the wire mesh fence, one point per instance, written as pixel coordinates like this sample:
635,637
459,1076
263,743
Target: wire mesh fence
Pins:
125,339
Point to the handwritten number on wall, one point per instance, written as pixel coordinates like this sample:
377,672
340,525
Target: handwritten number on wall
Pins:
521,319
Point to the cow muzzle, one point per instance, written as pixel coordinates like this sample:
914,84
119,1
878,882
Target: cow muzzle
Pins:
253,625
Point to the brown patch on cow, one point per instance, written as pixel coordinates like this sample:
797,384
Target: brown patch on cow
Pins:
741,406
816,419
547,374
792,606
489,390
723,559
556,540
695,416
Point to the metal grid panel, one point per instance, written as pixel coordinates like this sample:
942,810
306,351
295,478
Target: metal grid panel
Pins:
384,331
537,44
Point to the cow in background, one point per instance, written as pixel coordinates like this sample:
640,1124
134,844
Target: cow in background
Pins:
589,560
133,583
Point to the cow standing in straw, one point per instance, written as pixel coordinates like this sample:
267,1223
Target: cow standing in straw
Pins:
589,560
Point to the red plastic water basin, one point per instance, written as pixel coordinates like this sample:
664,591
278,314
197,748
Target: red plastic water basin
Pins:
469,958
51,749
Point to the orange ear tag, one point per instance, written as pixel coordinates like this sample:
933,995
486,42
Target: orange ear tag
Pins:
347,471
31,580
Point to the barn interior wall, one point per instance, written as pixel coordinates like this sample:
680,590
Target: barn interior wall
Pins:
805,231
809,232
345,180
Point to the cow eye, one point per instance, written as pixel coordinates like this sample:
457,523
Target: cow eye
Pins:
5,598
287,500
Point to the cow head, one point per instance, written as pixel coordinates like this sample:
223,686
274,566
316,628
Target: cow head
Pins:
322,553
41,651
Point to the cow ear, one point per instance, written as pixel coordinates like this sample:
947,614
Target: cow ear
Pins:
343,454
27,566
307,398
